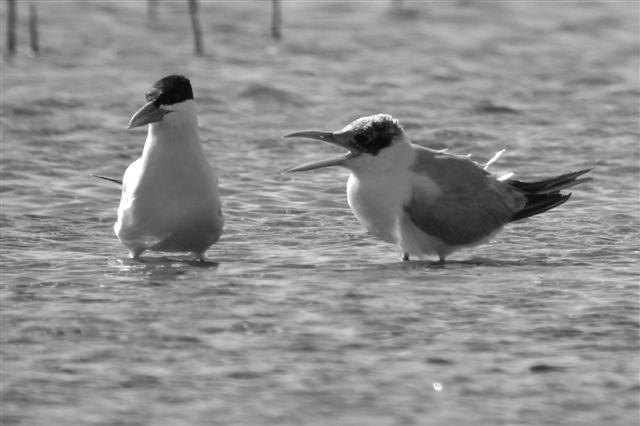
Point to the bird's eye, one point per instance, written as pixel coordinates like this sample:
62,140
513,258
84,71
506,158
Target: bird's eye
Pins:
152,94
360,138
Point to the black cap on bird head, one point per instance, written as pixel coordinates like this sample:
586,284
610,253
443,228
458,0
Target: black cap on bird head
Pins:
170,90
167,91
373,133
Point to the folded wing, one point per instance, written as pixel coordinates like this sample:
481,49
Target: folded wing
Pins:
470,204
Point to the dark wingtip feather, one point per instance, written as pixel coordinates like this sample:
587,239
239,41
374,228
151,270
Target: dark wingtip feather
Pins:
545,194
540,205
114,180
548,186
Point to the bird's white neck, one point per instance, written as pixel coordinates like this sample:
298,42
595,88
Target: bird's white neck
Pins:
179,126
175,139
180,117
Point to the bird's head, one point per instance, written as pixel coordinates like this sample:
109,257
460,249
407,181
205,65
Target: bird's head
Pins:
169,99
368,140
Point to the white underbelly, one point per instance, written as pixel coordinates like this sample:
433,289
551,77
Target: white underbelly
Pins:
176,216
378,205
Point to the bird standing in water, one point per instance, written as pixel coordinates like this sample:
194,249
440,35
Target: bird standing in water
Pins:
170,199
429,202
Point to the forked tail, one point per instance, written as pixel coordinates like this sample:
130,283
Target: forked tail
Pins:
545,194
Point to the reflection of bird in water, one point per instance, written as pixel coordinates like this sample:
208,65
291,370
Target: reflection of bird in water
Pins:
170,199
427,201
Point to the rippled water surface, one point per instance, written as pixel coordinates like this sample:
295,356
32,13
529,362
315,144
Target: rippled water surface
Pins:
300,317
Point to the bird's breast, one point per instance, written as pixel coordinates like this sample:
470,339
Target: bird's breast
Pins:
169,191
377,202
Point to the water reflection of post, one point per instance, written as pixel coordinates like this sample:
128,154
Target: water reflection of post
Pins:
276,20
11,27
195,24
152,11
34,43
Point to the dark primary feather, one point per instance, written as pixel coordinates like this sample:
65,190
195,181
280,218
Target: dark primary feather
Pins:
545,194
114,180
550,185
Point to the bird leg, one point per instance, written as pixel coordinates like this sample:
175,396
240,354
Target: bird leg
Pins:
199,256
135,253
405,257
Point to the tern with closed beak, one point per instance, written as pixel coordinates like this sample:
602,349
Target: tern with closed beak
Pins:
429,202
170,199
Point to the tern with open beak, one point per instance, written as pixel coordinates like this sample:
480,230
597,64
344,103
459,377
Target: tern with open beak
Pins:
429,202
170,200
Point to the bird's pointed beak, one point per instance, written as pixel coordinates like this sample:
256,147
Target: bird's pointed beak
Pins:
148,113
339,161
313,134
325,137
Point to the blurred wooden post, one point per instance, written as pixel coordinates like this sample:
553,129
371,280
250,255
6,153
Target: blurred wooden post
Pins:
195,24
12,17
152,11
33,29
276,19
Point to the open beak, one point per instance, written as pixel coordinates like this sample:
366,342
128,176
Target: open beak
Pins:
148,113
325,137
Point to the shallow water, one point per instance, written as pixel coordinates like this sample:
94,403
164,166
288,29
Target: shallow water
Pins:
300,317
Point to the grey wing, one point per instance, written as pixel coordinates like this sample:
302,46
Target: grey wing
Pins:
467,217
